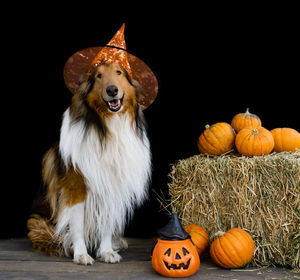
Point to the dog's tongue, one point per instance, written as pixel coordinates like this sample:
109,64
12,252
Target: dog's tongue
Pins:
114,102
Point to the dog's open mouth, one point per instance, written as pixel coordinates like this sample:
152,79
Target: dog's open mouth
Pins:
115,105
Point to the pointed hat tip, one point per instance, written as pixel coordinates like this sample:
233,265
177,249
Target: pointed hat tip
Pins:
106,55
122,27
173,230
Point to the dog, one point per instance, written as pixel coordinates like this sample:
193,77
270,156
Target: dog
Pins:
97,173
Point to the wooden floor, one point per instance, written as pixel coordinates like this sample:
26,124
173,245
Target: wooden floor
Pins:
19,261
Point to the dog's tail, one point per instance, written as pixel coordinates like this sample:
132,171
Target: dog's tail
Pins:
43,237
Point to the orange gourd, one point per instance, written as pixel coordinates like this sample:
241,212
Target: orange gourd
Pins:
178,258
233,249
216,139
254,141
174,254
286,139
199,237
243,120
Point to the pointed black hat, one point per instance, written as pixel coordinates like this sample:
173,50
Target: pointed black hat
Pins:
173,230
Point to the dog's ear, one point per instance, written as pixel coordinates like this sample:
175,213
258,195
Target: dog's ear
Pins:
134,83
127,75
137,87
86,83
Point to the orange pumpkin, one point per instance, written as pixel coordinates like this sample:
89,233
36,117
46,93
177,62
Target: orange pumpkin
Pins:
177,258
286,139
254,141
174,254
243,120
216,139
199,237
233,249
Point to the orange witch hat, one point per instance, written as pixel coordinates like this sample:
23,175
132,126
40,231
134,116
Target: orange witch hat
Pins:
114,52
85,60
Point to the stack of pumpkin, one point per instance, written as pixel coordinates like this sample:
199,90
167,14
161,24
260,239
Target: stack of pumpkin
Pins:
248,136
249,189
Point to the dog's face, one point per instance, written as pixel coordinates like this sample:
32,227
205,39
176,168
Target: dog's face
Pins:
110,89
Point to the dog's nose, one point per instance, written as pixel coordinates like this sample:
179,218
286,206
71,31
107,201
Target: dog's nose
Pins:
112,90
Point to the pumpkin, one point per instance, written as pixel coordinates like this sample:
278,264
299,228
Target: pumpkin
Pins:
286,139
254,141
174,254
175,258
199,237
233,249
243,120
216,139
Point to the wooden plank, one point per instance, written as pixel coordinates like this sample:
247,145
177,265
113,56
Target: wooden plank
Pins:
83,276
19,261
206,272
19,244
69,266
15,249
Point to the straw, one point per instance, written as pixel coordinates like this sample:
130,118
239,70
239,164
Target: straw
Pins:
259,194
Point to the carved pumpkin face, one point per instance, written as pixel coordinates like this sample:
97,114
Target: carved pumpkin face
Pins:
175,258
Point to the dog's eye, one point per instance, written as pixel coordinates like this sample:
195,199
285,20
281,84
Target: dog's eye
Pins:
99,75
119,72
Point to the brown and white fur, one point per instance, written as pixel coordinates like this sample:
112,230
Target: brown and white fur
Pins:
98,172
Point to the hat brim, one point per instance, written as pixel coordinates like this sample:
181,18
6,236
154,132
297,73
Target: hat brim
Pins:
79,64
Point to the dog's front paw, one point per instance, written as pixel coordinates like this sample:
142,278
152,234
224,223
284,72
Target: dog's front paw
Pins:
84,258
110,257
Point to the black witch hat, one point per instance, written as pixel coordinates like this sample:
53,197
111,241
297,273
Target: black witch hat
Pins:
173,230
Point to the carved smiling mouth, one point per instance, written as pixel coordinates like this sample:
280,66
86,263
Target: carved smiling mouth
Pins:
175,267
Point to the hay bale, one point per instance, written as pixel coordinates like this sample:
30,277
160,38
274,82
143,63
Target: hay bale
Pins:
258,194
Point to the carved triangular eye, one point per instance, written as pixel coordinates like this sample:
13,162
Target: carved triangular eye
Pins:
177,257
185,251
168,252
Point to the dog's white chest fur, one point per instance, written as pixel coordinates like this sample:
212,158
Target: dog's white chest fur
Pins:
116,174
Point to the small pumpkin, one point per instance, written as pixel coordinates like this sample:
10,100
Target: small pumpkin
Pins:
254,141
174,254
199,237
216,139
286,139
243,120
233,249
175,258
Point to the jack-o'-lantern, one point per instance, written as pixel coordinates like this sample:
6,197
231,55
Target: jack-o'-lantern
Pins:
174,255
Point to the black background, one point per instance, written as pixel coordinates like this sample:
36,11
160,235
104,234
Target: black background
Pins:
211,63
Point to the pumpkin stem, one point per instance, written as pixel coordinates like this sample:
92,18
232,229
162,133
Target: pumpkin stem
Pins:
207,126
247,111
217,235
254,131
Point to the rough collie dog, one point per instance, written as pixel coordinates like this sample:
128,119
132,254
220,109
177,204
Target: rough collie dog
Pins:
98,172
